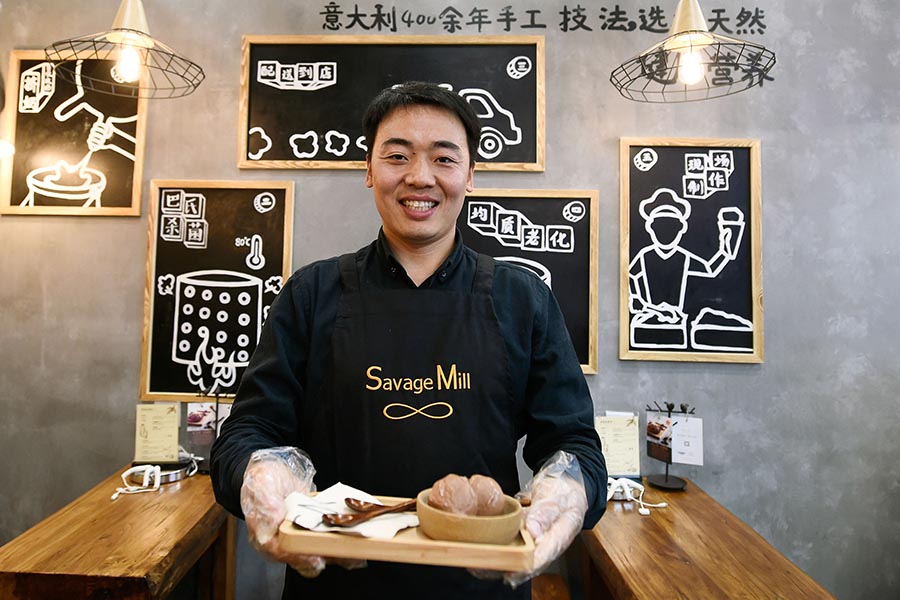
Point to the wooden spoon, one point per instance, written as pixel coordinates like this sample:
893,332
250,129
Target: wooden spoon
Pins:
361,505
348,520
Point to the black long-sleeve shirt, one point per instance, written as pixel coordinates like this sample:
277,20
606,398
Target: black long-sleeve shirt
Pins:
294,348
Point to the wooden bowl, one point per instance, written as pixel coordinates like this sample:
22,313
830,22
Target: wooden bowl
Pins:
443,525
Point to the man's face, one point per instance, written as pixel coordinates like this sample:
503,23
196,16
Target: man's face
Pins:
419,170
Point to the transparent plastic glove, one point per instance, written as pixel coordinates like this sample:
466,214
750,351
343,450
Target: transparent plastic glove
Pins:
271,475
556,514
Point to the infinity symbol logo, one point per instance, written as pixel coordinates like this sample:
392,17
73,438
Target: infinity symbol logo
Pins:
417,411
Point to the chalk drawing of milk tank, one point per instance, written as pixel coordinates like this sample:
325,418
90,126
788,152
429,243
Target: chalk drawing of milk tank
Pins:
204,302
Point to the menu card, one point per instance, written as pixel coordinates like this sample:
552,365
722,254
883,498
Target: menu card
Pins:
620,435
156,432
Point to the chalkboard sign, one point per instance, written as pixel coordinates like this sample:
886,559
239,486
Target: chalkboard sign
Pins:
219,253
303,97
552,233
691,268
78,152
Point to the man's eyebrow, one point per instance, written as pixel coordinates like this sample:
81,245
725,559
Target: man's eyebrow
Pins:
445,144
396,141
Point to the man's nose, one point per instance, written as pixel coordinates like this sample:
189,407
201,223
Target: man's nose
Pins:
419,173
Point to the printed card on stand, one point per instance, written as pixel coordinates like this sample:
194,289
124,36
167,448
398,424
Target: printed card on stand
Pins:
620,438
156,432
659,436
204,421
687,441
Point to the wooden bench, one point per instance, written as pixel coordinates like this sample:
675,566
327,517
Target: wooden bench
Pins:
694,548
137,547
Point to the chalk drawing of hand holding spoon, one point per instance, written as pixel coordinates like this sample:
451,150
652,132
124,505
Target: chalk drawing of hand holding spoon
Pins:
80,183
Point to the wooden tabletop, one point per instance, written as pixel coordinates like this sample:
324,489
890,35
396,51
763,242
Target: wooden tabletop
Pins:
138,546
694,548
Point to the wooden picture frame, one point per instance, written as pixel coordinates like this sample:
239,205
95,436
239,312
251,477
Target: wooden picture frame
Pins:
218,254
78,152
544,231
303,97
690,252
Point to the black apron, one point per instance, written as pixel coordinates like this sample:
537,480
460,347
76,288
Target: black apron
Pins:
417,387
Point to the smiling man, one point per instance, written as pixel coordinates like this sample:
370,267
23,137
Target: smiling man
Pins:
420,168
410,359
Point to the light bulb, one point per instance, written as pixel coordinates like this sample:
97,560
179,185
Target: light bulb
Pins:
690,67
128,68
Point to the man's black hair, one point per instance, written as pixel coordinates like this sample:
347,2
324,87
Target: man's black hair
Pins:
416,93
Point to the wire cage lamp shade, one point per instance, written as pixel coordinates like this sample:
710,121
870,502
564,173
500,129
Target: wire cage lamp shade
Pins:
143,66
692,64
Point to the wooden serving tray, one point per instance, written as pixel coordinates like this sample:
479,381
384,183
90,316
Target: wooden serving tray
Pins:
411,546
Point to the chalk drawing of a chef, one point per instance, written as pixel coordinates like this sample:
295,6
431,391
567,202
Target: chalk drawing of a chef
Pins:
658,274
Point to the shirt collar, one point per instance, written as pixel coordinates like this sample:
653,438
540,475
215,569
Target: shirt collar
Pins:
442,273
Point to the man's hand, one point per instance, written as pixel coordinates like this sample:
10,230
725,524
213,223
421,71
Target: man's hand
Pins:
271,475
556,514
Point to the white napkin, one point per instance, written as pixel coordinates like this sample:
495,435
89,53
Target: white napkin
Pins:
306,511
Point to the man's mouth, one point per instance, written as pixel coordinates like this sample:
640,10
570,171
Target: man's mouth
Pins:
419,205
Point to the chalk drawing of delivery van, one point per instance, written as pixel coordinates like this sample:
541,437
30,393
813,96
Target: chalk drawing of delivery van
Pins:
498,125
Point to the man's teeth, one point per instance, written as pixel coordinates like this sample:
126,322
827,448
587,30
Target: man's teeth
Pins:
419,204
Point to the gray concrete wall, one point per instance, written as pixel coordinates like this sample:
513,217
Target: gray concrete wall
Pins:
801,447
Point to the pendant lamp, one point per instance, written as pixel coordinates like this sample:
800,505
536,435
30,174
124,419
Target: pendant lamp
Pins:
144,67
693,63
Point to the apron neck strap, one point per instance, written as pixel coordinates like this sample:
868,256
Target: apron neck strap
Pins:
484,275
349,272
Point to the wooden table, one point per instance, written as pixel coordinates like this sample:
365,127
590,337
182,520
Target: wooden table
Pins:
139,546
694,548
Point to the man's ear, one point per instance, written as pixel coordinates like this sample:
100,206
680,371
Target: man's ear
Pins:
470,181
369,182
